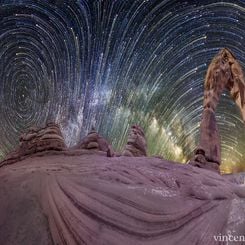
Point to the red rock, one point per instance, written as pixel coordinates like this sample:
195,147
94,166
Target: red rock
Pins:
37,140
223,72
209,137
94,141
110,152
136,145
93,145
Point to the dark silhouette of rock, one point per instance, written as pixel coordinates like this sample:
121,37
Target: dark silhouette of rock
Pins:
37,140
93,141
91,199
224,72
136,145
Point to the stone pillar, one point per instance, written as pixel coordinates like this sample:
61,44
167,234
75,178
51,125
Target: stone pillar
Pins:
136,145
209,137
207,154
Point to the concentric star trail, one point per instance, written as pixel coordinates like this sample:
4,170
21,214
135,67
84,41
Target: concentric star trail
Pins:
113,63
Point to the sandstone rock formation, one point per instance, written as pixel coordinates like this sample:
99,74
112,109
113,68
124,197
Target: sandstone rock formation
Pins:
224,72
93,141
94,200
37,140
136,145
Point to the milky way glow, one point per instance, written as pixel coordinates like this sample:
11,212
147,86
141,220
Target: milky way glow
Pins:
112,63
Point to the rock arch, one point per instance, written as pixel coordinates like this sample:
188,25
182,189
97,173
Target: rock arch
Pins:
224,72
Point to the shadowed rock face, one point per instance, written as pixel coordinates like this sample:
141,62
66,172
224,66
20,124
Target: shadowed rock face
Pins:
136,145
224,72
92,199
37,140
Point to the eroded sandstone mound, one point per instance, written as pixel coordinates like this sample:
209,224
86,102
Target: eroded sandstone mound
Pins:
136,145
94,141
37,140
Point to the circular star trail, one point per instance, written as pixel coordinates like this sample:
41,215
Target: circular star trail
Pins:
111,64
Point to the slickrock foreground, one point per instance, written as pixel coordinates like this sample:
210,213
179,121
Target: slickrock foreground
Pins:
93,199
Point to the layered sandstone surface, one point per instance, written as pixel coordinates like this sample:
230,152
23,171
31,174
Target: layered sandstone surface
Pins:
94,199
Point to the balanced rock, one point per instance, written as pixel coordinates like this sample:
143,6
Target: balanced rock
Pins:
136,145
94,141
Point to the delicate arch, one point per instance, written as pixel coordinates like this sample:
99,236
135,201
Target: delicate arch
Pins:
224,72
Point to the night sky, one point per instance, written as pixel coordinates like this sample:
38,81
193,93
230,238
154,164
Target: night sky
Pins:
113,63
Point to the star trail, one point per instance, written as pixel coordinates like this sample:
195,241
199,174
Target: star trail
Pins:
113,63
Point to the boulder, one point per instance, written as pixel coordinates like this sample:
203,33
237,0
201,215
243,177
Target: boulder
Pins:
94,141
